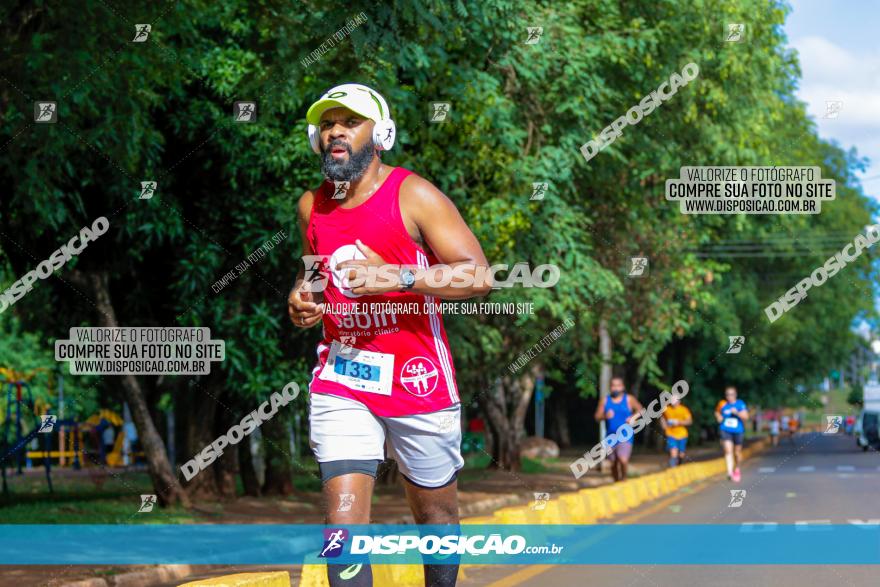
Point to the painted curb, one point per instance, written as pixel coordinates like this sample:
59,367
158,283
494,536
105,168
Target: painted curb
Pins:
145,578
587,506
269,579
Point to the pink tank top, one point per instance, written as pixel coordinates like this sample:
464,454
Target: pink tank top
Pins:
395,363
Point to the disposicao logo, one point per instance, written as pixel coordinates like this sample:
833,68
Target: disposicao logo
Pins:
334,541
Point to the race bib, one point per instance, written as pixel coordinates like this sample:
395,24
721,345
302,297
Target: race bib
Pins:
731,423
358,369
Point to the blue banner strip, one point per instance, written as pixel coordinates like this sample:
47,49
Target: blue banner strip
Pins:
276,544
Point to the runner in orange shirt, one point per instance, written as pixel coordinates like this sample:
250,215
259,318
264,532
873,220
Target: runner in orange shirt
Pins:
675,420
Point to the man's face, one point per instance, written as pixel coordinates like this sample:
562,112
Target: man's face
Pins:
616,386
730,394
347,147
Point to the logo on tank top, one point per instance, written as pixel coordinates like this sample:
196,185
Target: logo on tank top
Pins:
344,253
419,376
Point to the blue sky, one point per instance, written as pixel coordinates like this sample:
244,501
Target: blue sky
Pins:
838,45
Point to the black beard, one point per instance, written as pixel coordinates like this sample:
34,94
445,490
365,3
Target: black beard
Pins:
353,168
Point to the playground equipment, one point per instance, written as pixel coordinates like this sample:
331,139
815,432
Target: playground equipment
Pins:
28,421
10,449
99,422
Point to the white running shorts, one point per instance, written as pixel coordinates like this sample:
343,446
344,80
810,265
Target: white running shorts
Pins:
427,447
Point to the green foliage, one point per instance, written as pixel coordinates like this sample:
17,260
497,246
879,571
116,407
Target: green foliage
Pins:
162,110
31,356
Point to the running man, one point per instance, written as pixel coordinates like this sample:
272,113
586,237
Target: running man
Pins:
675,420
731,413
381,377
618,410
774,431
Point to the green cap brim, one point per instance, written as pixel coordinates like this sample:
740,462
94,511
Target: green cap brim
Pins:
313,116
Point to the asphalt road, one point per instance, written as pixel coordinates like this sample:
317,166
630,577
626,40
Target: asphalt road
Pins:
815,479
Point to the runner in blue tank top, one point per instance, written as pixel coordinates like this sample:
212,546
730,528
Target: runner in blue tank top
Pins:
618,410
730,414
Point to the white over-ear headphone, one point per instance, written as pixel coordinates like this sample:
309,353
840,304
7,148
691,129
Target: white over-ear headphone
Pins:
361,99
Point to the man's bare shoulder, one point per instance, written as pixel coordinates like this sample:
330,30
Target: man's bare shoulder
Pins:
419,194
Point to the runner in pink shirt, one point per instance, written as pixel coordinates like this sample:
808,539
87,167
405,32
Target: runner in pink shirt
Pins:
382,376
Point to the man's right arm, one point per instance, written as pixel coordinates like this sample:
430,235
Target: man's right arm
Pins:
301,305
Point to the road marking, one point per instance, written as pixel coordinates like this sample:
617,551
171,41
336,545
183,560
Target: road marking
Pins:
748,526
801,525
520,576
845,468
791,494
767,469
806,469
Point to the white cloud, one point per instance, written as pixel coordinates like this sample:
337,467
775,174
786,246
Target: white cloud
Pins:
831,72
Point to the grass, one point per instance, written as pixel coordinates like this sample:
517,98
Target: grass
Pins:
79,500
480,462
89,511
115,499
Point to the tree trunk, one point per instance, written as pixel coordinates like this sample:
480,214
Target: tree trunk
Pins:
560,413
225,472
248,471
279,469
505,411
496,422
225,468
165,484
199,434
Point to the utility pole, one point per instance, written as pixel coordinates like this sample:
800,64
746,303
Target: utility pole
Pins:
61,459
604,374
539,406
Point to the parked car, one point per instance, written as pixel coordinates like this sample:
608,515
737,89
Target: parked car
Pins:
866,430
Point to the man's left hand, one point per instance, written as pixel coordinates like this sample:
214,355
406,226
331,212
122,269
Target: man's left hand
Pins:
372,275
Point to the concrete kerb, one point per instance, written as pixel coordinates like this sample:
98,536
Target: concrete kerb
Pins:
587,506
268,579
144,578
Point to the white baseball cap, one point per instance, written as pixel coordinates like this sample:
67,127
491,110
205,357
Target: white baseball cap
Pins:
358,98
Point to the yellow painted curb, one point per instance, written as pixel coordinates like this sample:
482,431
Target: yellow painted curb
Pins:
551,514
314,576
511,515
687,472
272,579
666,485
642,489
587,506
612,498
480,520
653,485
630,497
678,478
578,508
399,575
595,503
